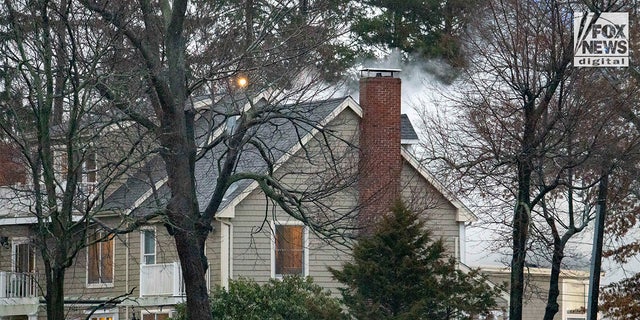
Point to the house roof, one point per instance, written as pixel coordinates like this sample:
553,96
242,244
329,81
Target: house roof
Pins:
283,138
279,133
407,133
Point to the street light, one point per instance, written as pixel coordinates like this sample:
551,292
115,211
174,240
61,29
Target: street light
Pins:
242,81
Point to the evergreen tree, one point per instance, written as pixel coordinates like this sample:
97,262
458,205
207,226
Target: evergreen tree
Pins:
400,273
429,28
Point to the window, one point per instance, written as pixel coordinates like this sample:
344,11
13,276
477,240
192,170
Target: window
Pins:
90,169
89,178
22,283
60,162
148,246
24,257
104,314
155,316
100,260
289,256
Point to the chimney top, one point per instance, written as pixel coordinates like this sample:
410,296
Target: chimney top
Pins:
379,72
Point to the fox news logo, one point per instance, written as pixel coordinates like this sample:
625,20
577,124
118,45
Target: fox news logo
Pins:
603,42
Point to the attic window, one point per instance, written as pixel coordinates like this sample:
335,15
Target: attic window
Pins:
231,124
230,190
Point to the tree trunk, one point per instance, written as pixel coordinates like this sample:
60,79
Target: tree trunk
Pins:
190,235
177,138
594,285
520,230
189,229
194,267
55,293
522,212
554,286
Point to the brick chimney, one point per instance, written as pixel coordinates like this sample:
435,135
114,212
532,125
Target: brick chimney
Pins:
380,160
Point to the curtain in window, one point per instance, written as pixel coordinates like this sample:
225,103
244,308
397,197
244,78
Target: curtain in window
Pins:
289,250
107,261
100,260
93,261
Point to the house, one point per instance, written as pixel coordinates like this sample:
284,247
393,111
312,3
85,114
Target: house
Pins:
362,150
574,287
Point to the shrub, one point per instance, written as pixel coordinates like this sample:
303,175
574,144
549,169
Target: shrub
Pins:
290,298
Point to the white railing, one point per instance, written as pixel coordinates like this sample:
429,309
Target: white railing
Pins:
18,285
161,279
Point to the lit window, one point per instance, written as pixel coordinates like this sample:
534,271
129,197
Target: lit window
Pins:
100,259
289,247
102,315
155,316
148,246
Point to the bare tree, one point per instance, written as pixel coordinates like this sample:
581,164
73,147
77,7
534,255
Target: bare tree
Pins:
174,51
519,138
51,116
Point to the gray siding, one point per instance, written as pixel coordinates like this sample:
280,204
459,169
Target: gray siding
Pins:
439,213
253,216
252,244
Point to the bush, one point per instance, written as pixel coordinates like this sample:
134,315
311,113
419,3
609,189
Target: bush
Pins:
290,298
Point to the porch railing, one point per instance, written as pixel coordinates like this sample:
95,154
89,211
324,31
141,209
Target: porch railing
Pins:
161,280
18,285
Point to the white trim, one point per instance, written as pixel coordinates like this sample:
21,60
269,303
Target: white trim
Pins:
566,273
207,274
409,141
6,221
462,233
226,253
463,214
229,210
21,220
15,242
305,246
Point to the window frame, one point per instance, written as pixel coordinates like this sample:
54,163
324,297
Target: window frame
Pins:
15,243
305,247
90,170
143,253
101,284
156,312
